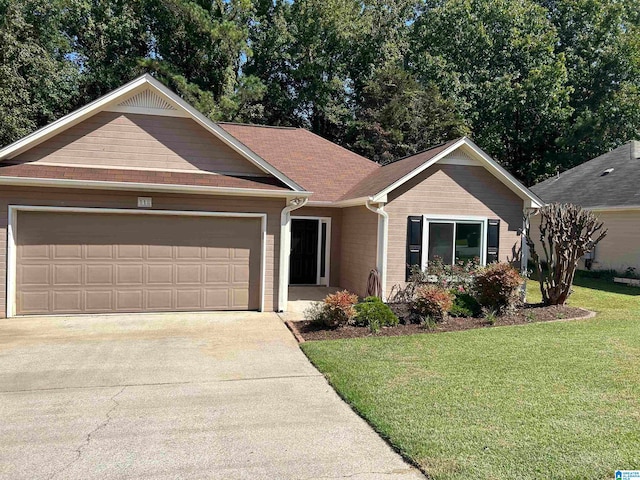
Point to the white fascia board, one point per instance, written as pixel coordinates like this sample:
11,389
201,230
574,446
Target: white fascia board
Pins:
151,187
70,119
129,89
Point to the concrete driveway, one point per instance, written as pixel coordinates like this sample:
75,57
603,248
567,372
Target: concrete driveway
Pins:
217,396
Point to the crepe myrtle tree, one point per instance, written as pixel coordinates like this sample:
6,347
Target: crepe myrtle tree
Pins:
566,233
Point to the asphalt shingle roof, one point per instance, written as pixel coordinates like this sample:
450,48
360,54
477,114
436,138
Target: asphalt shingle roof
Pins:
388,174
320,166
588,184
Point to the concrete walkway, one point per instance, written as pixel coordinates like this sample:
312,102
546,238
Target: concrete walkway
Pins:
172,396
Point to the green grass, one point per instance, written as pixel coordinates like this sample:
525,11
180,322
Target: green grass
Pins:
546,401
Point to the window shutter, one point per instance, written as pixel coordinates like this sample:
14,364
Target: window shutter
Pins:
414,244
493,240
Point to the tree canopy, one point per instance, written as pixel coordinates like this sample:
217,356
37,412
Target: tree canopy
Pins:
541,85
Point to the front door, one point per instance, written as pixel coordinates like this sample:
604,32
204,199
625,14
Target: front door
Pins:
304,252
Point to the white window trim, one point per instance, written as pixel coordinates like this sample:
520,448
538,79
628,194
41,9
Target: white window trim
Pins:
12,236
326,280
426,219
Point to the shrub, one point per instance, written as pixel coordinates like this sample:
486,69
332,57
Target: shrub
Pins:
497,286
458,276
375,314
464,305
432,301
339,308
490,317
315,313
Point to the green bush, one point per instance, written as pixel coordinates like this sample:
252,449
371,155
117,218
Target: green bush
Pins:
375,314
464,305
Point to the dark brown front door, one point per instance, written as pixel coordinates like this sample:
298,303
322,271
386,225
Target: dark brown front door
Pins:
304,252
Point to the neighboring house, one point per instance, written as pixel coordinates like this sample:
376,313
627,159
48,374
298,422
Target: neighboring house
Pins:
137,202
608,185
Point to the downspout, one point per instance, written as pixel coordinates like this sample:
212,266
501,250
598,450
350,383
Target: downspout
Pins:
383,239
285,250
524,249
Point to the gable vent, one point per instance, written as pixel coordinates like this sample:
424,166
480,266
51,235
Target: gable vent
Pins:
147,102
147,99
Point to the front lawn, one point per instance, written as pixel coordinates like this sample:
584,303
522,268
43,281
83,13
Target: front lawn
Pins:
541,401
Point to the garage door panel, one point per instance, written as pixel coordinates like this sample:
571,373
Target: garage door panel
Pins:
34,302
212,253
97,263
217,274
99,252
129,300
67,301
67,274
240,298
160,252
134,252
189,299
189,252
160,300
99,301
35,275
188,274
216,298
129,274
35,251
101,274
160,274
67,252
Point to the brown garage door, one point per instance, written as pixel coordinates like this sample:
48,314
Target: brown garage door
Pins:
98,263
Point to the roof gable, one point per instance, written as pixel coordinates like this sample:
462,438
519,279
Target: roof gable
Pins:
461,151
144,95
608,181
140,142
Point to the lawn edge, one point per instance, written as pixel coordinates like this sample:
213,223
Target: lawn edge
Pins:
296,333
380,434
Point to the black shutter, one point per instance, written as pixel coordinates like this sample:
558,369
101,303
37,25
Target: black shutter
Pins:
493,240
414,244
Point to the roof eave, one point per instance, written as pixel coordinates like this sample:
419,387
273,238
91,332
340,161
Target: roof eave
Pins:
149,187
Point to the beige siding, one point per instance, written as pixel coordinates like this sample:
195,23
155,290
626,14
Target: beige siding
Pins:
359,248
124,140
451,190
619,250
336,236
94,198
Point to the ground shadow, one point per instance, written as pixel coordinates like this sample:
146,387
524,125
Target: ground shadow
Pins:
605,284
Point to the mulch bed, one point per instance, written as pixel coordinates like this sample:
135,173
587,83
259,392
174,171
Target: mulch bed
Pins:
528,314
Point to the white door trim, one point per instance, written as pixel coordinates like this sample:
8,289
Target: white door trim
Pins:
12,237
327,254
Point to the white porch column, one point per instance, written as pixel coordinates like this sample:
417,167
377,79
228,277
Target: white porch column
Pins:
383,237
285,250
